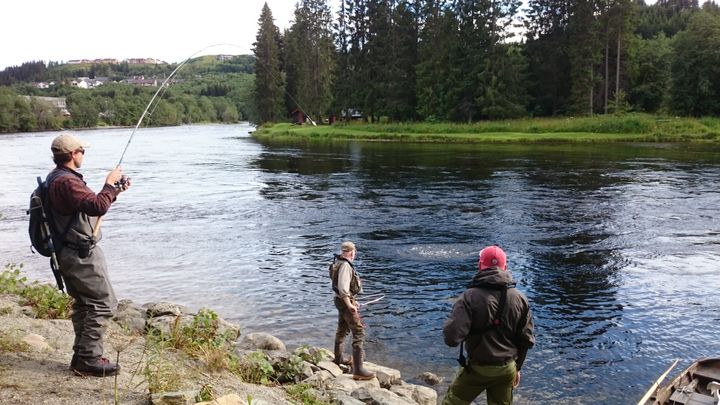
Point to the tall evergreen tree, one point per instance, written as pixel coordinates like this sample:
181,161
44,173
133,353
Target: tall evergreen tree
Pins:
268,91
437,37
584,52
547,49
343,77
311,53
695,68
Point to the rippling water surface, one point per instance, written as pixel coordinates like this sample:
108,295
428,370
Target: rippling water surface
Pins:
616,246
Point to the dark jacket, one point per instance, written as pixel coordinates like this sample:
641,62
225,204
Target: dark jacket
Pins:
475,309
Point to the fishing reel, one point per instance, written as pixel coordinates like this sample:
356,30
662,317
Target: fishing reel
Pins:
120,184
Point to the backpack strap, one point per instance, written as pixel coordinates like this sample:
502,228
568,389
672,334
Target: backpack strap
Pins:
495,320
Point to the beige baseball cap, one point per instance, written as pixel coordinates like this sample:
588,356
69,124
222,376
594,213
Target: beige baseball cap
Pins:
347,246
67,143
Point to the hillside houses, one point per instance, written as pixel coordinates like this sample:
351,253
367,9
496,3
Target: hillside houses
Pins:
131,61
88,83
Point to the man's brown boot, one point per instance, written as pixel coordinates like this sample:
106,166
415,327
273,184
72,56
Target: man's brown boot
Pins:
339,358
359,372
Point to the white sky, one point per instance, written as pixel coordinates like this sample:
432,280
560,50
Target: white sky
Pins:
169,30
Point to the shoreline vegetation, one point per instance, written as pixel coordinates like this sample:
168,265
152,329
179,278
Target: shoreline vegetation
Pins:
607,129
169,354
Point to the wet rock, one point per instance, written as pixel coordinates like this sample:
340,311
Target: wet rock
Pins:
321,379
331,367
430,378
345,383
164,309
416,393
130,316
260,341
385,375
342,399
379,396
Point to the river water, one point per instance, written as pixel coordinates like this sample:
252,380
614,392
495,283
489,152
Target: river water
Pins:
616,246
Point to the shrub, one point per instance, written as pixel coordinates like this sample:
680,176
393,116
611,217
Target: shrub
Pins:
46,301
303,393
254,368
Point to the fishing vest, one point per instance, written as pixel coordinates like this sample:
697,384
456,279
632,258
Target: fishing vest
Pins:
81,225
355,283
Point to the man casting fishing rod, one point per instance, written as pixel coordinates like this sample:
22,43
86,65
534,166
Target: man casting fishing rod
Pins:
75,214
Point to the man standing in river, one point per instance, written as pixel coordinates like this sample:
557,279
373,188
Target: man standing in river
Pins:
494,320
82,262
346,284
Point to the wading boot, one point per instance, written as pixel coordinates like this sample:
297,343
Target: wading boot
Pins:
359,372
339,358
99,367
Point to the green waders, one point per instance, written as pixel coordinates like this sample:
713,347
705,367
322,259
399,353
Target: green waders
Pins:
471,382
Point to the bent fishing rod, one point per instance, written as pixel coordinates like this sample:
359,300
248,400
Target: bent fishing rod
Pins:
159,92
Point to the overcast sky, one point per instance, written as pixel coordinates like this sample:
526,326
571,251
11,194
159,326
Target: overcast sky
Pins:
167,30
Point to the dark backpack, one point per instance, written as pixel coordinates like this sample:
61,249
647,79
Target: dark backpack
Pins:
45,239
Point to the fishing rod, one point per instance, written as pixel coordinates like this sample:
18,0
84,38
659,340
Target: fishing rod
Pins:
372,301
160,91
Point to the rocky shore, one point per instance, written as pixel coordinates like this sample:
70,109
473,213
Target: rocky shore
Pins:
170,355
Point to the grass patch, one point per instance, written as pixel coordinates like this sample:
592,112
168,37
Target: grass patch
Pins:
303,393
11,343
46,301
602,128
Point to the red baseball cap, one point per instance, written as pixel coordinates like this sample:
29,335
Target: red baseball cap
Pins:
492,256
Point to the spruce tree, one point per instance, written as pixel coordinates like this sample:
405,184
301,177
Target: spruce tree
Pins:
268,90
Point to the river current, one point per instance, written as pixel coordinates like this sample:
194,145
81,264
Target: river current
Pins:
616,246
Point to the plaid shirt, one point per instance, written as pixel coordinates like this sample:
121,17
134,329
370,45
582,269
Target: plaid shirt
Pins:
70,194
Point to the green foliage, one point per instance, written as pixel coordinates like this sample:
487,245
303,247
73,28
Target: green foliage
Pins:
607,128
46,301
207,393
695,68
309,354
287,369
302,393
650,74
268,90
201,339
309,57
160,373
11,280
254,368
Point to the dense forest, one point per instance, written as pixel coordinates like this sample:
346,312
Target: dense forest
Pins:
469,60
411,60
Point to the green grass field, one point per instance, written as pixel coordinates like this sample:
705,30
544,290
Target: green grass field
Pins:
608,128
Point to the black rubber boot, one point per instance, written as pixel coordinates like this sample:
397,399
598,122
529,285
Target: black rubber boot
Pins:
359,372
339,358
99,367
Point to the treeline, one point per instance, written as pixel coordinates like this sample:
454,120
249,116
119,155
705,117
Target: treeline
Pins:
205,90
465,60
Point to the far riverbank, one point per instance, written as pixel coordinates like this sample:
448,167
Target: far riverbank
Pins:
606,129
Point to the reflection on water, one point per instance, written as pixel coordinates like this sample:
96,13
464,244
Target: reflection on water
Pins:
615,246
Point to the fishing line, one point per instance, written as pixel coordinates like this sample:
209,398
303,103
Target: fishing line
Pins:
164,86
161,91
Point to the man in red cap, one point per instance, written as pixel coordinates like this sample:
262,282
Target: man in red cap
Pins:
494,320
74,214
